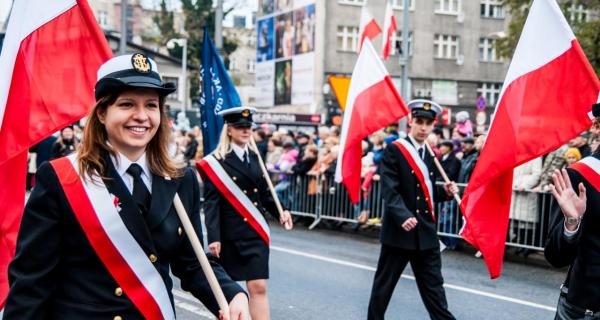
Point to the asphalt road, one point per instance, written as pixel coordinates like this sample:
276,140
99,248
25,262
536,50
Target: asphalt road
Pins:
323,274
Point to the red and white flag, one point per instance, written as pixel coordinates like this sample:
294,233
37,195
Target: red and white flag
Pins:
373,102
369,28
389,29
548,92
49,60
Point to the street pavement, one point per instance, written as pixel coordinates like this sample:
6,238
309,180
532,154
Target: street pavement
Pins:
323,274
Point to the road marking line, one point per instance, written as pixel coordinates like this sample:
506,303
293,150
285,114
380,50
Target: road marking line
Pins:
447,285
194,307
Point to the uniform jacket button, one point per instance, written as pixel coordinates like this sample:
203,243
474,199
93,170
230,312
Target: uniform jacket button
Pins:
118,292
412,171
152,258
179,231
245,192
245,219
426,199
234,178
431,173
255,190
417,210
418,198
118,318
256,203
418,185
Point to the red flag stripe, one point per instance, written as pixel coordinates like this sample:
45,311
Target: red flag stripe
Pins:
371,31
110,256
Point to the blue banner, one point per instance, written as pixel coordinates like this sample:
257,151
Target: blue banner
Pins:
218,94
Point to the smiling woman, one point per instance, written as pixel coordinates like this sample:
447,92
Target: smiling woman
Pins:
100,234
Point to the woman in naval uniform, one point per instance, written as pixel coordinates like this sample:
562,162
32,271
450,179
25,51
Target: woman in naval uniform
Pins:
99,233
237,237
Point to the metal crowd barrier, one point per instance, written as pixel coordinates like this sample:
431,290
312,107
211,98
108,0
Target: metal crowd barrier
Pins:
319,197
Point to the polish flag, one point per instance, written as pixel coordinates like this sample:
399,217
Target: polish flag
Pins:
369,28
49,60
548,92
373,103
390,28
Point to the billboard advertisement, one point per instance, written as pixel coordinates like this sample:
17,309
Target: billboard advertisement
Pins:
285,53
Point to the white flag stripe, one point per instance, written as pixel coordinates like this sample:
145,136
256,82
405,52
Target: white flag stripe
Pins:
126,245
533,51
368,71
26,17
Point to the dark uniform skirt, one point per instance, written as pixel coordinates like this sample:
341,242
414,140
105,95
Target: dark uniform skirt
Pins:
245,259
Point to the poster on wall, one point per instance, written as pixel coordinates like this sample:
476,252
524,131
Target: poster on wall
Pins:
283,82
303,73
285,53
264,42
304,39
265,72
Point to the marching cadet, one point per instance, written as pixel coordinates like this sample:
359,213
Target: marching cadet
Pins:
408,231
236,198
100,234
574,236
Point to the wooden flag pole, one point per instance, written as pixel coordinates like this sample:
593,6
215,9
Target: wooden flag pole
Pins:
199,250
288,224
442,171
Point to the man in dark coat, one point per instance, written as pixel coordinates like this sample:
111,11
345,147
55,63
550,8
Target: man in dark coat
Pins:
574,236
409,232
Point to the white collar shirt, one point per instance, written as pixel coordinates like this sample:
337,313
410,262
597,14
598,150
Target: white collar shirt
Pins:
418,146
122,163
239,151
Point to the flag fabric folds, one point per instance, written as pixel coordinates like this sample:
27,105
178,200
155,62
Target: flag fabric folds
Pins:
218,94
373,102
389,29
49,61
548,92
369,29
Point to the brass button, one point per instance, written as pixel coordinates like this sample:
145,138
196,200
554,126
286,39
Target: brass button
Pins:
118,318
118,292
418,185
234,178
418,198
426,199
412,171
245,191
417,210
426,211
255,190
431,173
255,203
153,258
179,231
245,219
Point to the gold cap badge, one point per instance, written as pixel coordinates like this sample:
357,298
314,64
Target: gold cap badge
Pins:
140,63
427,106
246,113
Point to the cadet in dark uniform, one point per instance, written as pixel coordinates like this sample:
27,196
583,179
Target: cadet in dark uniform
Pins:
241,244
574,236
60,270
408,231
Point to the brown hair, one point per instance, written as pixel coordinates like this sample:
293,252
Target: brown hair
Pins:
95,138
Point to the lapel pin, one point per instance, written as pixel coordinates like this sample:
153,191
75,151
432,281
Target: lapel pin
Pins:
116,203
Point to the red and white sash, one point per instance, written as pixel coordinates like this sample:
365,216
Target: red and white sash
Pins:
589,168
238,199
118,250
420,169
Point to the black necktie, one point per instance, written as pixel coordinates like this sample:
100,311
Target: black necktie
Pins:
140,193
421,153
246,160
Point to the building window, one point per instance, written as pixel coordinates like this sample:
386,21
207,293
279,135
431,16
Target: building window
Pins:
577,12
447,6
397,43
445,46
233,64
353,2
490,91
399,4
239,21
487,52
492,9
347,38
174,95
103,19
250,65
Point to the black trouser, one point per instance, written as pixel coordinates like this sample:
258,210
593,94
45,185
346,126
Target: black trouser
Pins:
568,311
426,266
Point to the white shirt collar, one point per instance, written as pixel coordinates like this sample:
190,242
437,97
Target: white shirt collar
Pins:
122,163
239,151
415,143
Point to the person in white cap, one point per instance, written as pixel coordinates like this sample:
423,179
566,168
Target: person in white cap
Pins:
236,199
409,229
100,235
